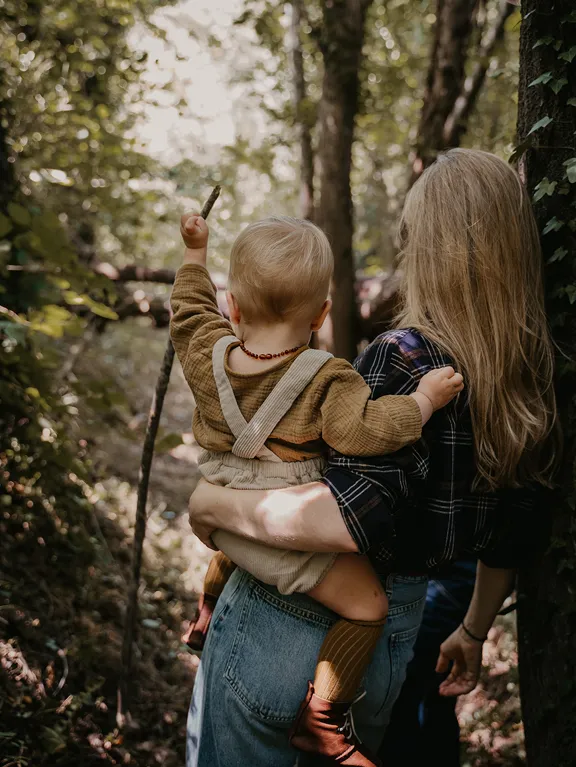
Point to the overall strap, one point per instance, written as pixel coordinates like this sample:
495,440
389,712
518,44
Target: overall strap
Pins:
232,413
250,444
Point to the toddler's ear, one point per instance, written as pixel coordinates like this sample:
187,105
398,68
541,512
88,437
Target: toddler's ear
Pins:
233,309
320,319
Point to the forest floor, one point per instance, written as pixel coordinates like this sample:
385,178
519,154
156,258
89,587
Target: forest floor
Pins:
62,624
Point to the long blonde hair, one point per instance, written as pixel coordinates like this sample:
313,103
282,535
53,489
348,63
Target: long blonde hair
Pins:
472,283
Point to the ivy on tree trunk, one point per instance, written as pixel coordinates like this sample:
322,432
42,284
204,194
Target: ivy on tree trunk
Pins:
547,602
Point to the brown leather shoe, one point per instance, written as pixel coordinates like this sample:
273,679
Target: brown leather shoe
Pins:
325,730
197,631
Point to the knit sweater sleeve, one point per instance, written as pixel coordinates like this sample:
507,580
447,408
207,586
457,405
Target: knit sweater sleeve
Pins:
196,322
354,424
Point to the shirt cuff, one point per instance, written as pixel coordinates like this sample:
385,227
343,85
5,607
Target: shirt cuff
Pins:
190,268
411,423
363,508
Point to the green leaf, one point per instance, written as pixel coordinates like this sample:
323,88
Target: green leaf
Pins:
569,54
168,442
571,293
542,80
543,123
558,255
543,41
571,102
570,166
557,85
545,187
52,740
5,225
100,309
553,225
51,320
19,214
32,391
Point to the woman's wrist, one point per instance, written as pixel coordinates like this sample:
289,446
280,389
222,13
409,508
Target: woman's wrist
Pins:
474,637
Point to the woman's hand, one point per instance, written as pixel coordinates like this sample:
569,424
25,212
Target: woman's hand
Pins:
466,657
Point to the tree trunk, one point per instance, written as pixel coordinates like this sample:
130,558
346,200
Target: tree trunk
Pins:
342,40
445,80
7,179
302,117
457,122
547,607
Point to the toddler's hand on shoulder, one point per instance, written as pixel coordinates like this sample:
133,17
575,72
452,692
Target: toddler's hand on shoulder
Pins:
441,386
194,231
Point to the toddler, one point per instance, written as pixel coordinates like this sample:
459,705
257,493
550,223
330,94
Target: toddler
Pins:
268,407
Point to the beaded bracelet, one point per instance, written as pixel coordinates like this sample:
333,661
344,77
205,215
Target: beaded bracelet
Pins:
471,635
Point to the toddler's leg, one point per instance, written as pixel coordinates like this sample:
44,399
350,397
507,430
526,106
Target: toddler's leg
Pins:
219,571
218,574
352,589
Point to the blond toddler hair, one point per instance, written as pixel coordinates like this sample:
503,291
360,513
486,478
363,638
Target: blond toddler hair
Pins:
280,270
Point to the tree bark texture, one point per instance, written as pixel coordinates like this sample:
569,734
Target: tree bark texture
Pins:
547,604
341,43
457,122
445,79
301,116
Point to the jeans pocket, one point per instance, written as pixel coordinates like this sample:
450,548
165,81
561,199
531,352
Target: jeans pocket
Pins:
274,654
400,651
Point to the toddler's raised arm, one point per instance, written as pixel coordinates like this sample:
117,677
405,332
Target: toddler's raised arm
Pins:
196,322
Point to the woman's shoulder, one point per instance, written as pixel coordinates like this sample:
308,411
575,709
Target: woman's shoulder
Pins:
404,348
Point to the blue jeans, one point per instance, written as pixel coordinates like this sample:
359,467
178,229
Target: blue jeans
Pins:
423,724
260,653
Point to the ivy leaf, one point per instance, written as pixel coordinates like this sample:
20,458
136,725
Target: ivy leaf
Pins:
5,225
543,41
553,225
542,80
571,102
571,293
543,123
545,187
558,255
19,214
568,55
570,166
557,85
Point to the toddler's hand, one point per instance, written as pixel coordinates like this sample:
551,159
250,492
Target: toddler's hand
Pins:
194,231
441,386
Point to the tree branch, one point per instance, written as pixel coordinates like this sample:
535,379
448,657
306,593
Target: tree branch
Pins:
141,515
457,122
134,273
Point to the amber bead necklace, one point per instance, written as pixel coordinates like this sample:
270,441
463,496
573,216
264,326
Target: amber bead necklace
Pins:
268,356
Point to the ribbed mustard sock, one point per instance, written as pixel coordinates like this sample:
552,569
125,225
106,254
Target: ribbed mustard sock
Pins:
344,658
219,571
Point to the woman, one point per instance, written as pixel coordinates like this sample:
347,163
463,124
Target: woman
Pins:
473,298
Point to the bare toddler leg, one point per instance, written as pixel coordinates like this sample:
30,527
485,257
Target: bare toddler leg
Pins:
353,590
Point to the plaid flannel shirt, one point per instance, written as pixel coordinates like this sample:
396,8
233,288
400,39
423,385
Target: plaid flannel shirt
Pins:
415,510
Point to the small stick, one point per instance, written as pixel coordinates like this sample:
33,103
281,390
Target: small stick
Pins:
141,517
